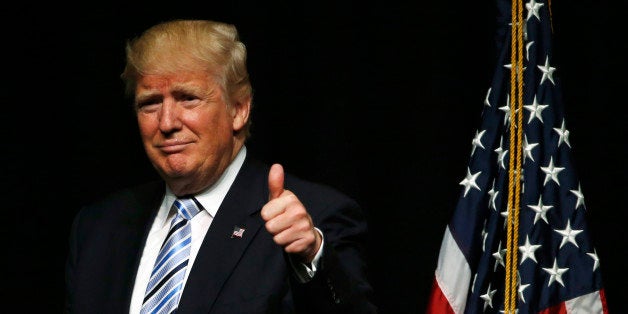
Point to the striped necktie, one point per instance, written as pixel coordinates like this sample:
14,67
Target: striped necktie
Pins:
166,281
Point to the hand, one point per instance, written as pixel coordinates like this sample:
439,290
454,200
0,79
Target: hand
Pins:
287,219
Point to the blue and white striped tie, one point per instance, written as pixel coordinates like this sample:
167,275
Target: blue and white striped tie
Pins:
166,281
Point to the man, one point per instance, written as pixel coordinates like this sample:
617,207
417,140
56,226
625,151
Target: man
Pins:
241,237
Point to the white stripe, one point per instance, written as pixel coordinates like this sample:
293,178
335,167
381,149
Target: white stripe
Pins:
453,273
585,304
168,287
177,256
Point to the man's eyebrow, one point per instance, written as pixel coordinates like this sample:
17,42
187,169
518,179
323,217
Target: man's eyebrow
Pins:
187,88
145,96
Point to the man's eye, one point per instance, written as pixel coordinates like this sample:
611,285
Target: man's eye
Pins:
189,98
190,101
147,105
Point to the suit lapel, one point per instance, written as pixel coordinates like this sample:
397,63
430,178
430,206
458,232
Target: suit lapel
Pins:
220,252
144,205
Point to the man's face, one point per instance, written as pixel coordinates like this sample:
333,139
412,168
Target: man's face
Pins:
187,128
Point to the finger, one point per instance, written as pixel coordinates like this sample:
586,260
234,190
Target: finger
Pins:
275,181
292,237
272,209
277,218
304,244
292,224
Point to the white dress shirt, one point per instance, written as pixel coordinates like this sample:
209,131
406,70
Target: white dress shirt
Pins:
211,198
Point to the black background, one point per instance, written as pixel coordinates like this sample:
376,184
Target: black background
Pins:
380,100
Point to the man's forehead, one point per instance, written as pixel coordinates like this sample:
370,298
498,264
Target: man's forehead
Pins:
178,81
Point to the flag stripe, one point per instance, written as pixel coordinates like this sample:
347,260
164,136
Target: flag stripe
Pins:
438,303
453,273
593,302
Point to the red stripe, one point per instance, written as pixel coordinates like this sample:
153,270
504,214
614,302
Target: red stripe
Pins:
438,303
603,300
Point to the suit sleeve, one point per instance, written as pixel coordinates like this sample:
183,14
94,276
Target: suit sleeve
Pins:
340,284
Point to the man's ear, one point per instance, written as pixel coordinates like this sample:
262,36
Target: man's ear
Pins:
241,110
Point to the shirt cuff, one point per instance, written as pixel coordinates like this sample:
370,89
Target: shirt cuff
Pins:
306,271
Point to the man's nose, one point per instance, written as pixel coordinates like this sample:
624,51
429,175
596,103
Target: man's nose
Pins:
169,119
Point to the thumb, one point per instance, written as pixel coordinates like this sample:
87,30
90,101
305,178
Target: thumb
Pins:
275,181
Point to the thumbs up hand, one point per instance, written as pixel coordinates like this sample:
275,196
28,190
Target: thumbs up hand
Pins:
288,220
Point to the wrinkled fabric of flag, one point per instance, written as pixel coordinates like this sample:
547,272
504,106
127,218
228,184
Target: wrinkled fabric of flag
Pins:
558,269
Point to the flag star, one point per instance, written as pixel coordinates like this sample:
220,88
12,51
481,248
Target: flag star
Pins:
506,109
505,215
596,260
521,290
556,274
540,210
551,172
484,237
488,297
469,181
533,9
528,45
477,141
509,66
580,196
488,94
569,235
527,251
535,110
499,256
501,154
527,148
493,197
563,134
548,71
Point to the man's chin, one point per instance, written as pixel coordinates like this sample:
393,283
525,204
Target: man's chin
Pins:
177,173
174,168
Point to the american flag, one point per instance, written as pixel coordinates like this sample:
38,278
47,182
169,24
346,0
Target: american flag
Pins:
558,270
238,232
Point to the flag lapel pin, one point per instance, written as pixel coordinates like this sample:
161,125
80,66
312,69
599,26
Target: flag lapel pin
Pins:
237,232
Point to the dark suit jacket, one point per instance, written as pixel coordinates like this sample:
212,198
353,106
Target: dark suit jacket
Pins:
230,274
